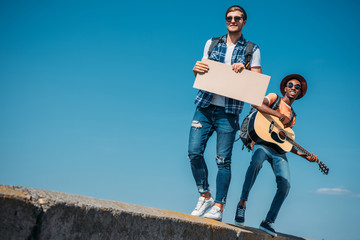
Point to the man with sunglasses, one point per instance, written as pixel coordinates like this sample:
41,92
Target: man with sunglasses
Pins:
292,87
220,114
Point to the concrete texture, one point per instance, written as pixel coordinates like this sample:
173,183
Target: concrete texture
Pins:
34,214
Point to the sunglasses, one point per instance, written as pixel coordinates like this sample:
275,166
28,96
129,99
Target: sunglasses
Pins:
237,19
297,86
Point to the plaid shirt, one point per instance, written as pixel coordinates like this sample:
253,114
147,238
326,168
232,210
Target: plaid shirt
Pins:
203,98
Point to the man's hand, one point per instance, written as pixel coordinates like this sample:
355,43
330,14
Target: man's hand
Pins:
237,67
312,158
200,67
285,120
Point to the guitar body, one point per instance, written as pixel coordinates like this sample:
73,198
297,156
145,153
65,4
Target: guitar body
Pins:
268,130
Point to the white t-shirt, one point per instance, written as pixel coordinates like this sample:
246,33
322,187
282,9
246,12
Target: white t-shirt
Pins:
219,100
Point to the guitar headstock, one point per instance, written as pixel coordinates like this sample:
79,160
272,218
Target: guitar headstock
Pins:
323,167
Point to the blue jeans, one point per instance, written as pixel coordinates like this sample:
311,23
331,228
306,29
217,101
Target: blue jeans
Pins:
280,166
205,122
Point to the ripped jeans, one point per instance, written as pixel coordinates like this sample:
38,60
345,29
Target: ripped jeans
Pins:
205,122
280,167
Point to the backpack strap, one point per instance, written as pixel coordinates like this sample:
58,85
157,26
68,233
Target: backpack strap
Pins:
275,105
292,115
248,53
215,41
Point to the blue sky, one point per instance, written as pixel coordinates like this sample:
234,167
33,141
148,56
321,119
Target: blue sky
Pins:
96,99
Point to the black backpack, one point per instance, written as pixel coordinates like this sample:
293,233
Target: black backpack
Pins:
248,51
244,132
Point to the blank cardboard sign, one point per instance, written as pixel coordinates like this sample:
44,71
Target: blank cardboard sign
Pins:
246,86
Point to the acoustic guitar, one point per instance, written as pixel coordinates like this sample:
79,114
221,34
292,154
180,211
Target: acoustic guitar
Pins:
268,129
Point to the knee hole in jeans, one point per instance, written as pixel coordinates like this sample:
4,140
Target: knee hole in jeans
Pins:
196,124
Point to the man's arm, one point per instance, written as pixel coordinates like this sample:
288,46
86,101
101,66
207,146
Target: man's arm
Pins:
201,67
264,108
255,62
311,158
256,69
238,66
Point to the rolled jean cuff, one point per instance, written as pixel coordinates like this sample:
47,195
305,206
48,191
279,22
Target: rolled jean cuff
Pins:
201,189
243,197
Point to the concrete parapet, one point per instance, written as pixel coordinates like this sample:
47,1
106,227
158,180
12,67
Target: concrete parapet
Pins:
34,214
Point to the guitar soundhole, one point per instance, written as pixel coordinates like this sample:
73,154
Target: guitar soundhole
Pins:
276,137
282,135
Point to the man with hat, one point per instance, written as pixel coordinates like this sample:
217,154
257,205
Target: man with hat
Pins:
292,87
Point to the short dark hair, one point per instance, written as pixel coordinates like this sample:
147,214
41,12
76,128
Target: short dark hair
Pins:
236,8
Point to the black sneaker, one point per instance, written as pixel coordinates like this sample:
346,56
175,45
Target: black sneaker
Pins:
267,227
240,215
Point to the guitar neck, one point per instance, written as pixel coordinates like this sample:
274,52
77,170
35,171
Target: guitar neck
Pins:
297,146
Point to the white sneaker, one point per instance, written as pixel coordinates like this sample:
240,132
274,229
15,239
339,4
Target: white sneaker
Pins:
215,213
202,206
